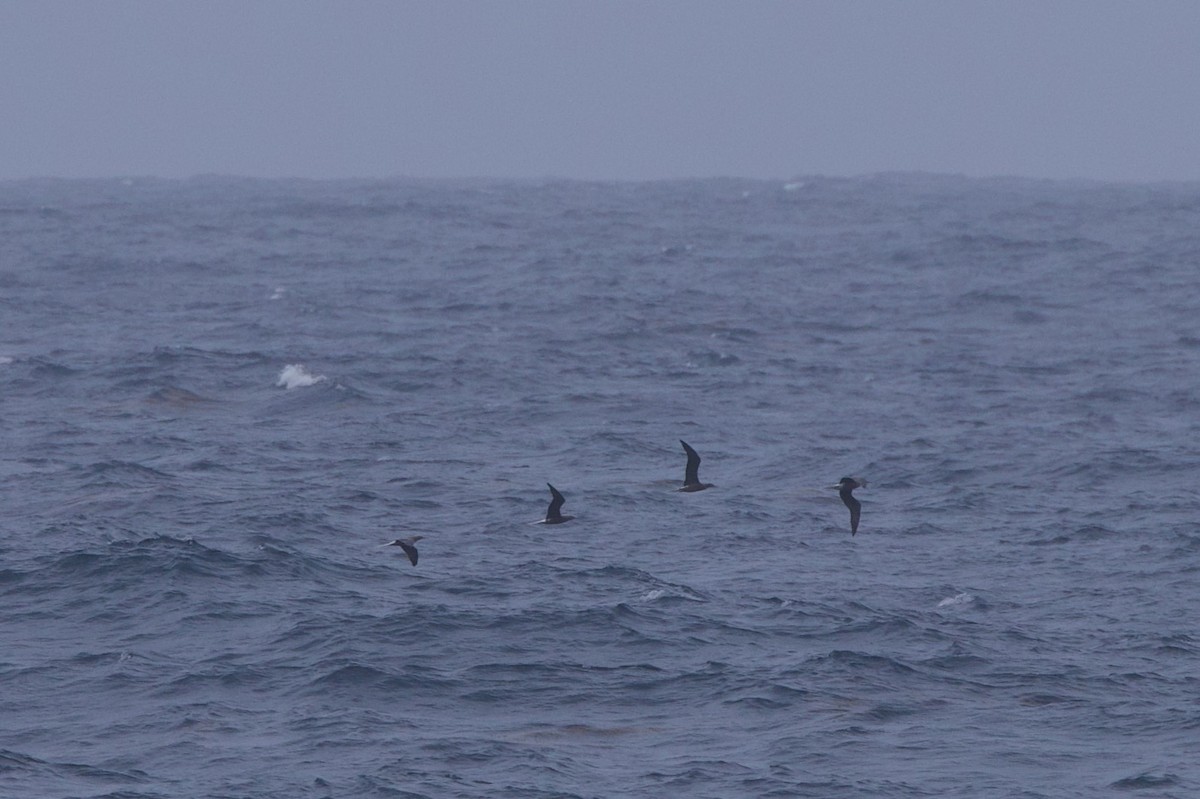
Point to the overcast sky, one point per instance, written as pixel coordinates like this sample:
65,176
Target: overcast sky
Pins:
625,89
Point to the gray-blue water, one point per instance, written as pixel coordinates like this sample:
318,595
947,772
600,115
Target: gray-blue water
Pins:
219,397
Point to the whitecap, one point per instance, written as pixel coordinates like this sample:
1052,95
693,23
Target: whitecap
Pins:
672,592
279,292
5,360
294,375
956,600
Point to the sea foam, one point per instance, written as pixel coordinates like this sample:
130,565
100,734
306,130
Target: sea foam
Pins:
294,375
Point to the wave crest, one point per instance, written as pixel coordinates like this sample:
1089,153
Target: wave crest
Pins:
294,375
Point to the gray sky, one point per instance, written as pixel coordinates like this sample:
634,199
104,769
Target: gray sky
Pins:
612,90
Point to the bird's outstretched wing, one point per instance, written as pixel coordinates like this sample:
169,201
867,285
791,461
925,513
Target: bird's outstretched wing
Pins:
556,503
691,474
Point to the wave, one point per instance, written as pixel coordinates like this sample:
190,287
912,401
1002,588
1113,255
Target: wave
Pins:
16,762
1144,781
137,565
295,375
177,397
123,474
957,601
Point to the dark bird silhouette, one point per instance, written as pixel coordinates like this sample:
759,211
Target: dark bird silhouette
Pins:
554,512
845,488
408,545
691,474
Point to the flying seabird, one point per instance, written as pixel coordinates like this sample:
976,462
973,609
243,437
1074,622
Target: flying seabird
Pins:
408,545
554,512
845,487
691,475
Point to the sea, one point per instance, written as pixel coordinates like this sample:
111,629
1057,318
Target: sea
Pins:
220,397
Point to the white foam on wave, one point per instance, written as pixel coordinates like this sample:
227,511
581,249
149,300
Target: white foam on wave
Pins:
294,375
6,360
674,592
956,600
279,292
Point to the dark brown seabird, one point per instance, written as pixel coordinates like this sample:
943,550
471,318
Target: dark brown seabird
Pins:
691,474
554,512
845,486
407,544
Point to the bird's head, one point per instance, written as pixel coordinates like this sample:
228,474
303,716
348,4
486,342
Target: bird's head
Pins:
849,483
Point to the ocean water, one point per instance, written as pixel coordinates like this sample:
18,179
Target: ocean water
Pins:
218,397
